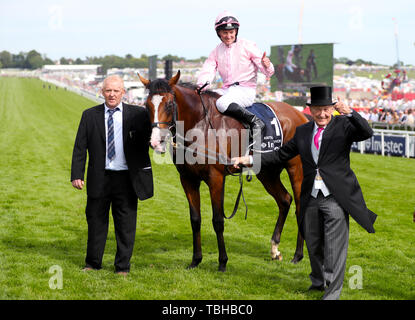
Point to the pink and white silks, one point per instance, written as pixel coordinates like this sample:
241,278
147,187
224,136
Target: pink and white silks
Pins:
238,62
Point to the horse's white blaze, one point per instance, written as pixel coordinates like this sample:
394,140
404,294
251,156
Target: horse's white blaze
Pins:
156,100
155,134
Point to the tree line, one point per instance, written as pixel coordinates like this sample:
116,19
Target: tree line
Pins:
35,60
23,60
359,62
350,62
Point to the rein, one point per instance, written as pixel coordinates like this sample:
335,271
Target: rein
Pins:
248,177
199,92
240,192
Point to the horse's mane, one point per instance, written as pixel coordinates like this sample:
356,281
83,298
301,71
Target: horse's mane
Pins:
162,86
211,96
192,86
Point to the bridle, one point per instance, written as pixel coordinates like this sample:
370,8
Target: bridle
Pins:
171,105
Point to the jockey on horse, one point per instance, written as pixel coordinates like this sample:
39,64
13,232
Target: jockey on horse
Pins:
237,61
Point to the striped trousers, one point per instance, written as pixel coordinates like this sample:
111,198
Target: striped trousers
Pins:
327,239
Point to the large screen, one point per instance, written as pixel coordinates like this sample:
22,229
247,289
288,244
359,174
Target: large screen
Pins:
301,66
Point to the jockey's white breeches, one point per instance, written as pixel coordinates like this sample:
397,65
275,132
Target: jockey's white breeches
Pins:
244,96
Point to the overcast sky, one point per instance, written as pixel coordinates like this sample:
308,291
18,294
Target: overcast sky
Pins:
74,28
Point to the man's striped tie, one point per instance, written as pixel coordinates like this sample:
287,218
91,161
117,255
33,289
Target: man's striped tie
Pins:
111,146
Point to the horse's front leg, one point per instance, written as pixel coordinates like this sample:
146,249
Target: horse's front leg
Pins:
191,188
216,188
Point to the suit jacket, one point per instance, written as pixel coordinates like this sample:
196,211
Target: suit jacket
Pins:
91,137
333,164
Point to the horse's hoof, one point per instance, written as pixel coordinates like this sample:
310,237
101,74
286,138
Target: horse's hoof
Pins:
297,259
277,257
194,264
222,268
275,253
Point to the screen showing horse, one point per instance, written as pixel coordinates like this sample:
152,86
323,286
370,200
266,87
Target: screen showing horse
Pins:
301,66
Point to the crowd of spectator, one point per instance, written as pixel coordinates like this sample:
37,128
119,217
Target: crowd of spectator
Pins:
389,116
380,103
385,110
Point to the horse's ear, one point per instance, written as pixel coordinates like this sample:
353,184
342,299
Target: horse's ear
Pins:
143,80
175,79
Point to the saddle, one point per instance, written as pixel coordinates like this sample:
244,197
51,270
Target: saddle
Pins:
272,135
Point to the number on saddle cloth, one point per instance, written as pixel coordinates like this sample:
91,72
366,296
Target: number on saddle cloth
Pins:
272,135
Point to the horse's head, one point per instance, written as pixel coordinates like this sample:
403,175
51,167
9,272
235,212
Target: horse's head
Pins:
162,108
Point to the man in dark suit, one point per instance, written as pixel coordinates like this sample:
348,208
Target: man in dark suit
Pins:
116,136
330,190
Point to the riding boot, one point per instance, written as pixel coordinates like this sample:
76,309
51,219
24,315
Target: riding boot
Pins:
241,114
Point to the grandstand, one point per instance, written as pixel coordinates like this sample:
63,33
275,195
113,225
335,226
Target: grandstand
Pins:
82,68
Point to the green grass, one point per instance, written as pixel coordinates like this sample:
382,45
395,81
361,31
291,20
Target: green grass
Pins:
43,223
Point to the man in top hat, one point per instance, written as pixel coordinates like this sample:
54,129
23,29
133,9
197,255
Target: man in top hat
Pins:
330,190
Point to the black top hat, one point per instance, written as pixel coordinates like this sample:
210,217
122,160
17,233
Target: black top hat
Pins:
321,96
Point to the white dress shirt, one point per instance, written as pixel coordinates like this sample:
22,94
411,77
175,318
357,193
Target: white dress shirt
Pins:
318,180
119,162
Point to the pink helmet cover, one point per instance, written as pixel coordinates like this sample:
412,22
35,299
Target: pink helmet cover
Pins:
226,18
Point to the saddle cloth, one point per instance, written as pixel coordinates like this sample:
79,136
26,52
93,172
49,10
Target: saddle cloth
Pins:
272,135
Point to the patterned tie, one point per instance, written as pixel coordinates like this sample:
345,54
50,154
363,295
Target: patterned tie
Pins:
317,136
111,145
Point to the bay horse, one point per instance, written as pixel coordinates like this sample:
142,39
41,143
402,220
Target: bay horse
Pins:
169,102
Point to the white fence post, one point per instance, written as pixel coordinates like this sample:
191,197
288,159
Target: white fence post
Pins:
407,145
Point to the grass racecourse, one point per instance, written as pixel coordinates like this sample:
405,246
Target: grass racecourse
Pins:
43,229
